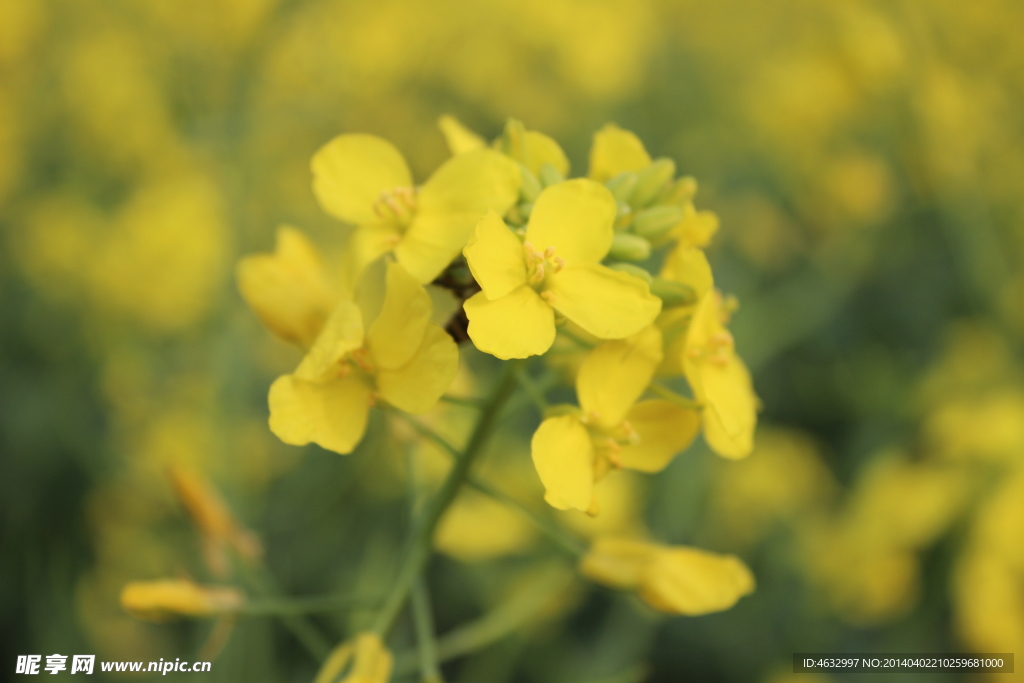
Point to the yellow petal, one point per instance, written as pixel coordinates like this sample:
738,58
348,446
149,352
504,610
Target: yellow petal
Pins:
363,660
617,562
164,598
540,150
416,386
616,373
366,244
289,290
332,415
342,333
399,328
615,151
449,205
574,217
697,227
730,412
664,428
689,266
564,458
692,582
606,303
351,171
518,325
478,527
459,138
495,257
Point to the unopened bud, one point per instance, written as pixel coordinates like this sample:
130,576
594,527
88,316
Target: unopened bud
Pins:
651,181
672,293
627,247
635,271
656,221
530,187
513,139
680,191
549,175
622,185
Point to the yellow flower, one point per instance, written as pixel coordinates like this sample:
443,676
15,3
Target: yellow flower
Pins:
159,600
613,431
673,579
289,290
364,180
616,151
213,519
720,380
556,269
529,147
364,660
402,358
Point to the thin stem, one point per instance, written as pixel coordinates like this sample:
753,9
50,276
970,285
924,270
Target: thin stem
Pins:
418,546
430,434
669,395
423,619
274,607
466,402
261,582
532,390
555,533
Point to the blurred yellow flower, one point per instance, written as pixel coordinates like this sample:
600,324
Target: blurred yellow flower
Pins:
611,430
616,151
556,269
289,290
673,579
165,598
402,358
364,660
365,181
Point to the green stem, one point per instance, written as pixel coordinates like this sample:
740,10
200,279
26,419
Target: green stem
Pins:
532,390
418,547
261,582
555,533
669,395
465,402
423,619
274,607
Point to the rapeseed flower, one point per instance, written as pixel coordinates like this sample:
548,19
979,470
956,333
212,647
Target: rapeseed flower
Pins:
556,268
365,181
363,660
165,598
399,357
611,430
673,579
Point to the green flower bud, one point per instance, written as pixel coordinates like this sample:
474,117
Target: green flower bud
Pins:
627,247
525,209
656,221
549,175
513,139
622,185
673,293
530,187
635,271
652,180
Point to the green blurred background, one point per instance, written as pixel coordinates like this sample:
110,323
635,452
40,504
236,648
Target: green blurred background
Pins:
867,162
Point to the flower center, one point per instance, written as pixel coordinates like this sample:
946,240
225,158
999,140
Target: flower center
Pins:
608,442
540,264
716,351
396,206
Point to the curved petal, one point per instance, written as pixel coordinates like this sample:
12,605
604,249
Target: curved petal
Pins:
459,138
332,415
689,266
495,257
730,411
616,151
351,171
664,428
289,290
519,325
416,386
576,218
614,375
399,328
606,303
540,150
342,333
689,581
564,458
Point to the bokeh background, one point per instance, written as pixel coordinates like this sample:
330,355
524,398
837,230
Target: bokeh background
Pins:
867,162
